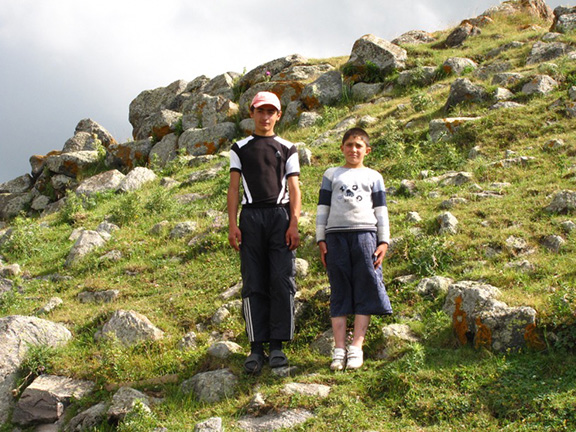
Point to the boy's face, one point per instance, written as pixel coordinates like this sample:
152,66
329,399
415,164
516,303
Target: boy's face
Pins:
265,118
354,149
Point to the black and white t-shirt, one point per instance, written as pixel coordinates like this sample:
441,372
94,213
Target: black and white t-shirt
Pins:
265,163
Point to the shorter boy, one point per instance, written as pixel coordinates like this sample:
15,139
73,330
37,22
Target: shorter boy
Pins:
353,234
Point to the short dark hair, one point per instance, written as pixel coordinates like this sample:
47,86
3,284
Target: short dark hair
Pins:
356,132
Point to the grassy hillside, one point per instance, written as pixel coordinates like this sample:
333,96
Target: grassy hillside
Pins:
433,385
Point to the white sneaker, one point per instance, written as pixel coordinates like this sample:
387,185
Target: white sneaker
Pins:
355,358
338,359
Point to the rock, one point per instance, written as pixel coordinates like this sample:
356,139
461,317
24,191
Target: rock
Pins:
103,182
81,141
444,128
281,420
87,241
433,287
325,90
364,92
420,76
10,270
448,223
17,335
546,51
124,401
301,266
563,202
452,202
568,226
157,125
477,316
462,90
221,315
517,246
500,49
213,424
502,94
564,19
88,419
304,155
505,105
458,65
136,178
460,34
183,229
93,128
396,337
164,152
211,386
414,37
45,399
540,85
5,285
308,119
302,72
208,140
188,341
128,155
324,344
52,304
130,328
224,349
72,164
149,102
553,243
317,390
203,111
413,217
506,79
11,205
486,71
106,296
370,49
18,185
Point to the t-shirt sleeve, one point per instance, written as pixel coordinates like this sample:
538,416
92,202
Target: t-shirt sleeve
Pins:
381,210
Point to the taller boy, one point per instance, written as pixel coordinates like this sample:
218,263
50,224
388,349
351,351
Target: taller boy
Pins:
267,234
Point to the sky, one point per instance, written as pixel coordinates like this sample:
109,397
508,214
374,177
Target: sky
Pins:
66,60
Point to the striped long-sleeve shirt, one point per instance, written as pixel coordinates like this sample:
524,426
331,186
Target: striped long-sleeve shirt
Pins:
352,199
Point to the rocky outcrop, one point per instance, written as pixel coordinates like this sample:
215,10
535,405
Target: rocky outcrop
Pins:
17,335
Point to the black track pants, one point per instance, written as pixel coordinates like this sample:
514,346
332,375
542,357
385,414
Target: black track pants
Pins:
267,267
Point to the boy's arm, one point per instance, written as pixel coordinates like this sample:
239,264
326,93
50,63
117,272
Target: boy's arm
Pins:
292,234
233,200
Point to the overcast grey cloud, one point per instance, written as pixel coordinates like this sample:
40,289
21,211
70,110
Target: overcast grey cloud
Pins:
65,60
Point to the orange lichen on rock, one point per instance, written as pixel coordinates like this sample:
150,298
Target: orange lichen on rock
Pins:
532,338
483,337
459,321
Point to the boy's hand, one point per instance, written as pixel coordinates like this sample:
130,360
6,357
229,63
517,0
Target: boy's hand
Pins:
292,237
323,251
379,254
235,237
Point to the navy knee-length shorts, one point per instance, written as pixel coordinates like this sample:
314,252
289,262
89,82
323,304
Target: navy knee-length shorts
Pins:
356,286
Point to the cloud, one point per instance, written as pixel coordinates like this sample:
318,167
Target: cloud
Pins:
65,60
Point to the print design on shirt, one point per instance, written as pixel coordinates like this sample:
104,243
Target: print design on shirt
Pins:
349,193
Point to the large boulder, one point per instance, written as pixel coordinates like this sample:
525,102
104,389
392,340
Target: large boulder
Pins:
149,102
564,19
11,205
93,128
136,178
73,163
267,70
17,335
207,141
326,90
479,318
86,242
457,37
546,51
563,202
157,125
129,328
463,90
384,55
287,92
45,400
129,154
20,184
414,37
103,182
81,141
203,110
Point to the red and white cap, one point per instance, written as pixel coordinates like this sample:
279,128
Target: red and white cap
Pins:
266,98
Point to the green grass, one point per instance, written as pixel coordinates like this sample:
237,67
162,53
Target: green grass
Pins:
433,385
